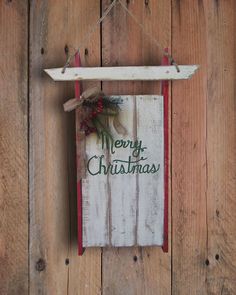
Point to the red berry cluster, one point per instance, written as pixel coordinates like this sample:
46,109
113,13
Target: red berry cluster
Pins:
84,125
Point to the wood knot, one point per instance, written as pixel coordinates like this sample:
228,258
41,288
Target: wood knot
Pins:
40,265
217,257
66,49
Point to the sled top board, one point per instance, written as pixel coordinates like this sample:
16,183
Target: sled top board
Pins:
123,73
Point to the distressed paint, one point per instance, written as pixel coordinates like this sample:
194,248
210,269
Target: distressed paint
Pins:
95,202
127,209
150,215
123,73
123,207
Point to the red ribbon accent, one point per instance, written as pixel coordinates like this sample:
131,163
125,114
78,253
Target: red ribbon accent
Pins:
79,181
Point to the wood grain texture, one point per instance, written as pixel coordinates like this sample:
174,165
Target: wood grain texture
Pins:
189,159
95,201
55,267
141,73
221,147
189,195
135,270
150,129
123,208
49,192
85,271
204,186
13,148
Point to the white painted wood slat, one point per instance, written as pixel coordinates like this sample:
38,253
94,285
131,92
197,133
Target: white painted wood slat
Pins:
123,188
150,129
123,73
95,207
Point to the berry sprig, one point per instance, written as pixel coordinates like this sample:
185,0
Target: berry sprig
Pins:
85,123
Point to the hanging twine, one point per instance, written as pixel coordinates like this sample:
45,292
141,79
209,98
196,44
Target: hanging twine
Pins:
149,35
89,34
101,19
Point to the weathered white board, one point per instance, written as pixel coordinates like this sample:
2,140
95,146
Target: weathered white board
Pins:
127,208
95,201
123,73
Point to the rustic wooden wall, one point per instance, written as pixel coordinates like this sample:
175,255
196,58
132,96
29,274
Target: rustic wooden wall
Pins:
14,147
38,250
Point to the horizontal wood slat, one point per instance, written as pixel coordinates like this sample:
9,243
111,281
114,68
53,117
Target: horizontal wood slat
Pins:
123,73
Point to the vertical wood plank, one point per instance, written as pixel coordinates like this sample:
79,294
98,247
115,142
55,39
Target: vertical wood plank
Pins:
150,129
123,210
221,146
135,270
49,206
95,198
55,267
13,148
85,271
189,190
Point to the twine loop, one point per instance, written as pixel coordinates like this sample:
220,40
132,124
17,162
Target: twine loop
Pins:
101,19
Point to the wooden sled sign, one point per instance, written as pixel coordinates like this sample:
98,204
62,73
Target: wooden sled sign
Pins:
125,181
